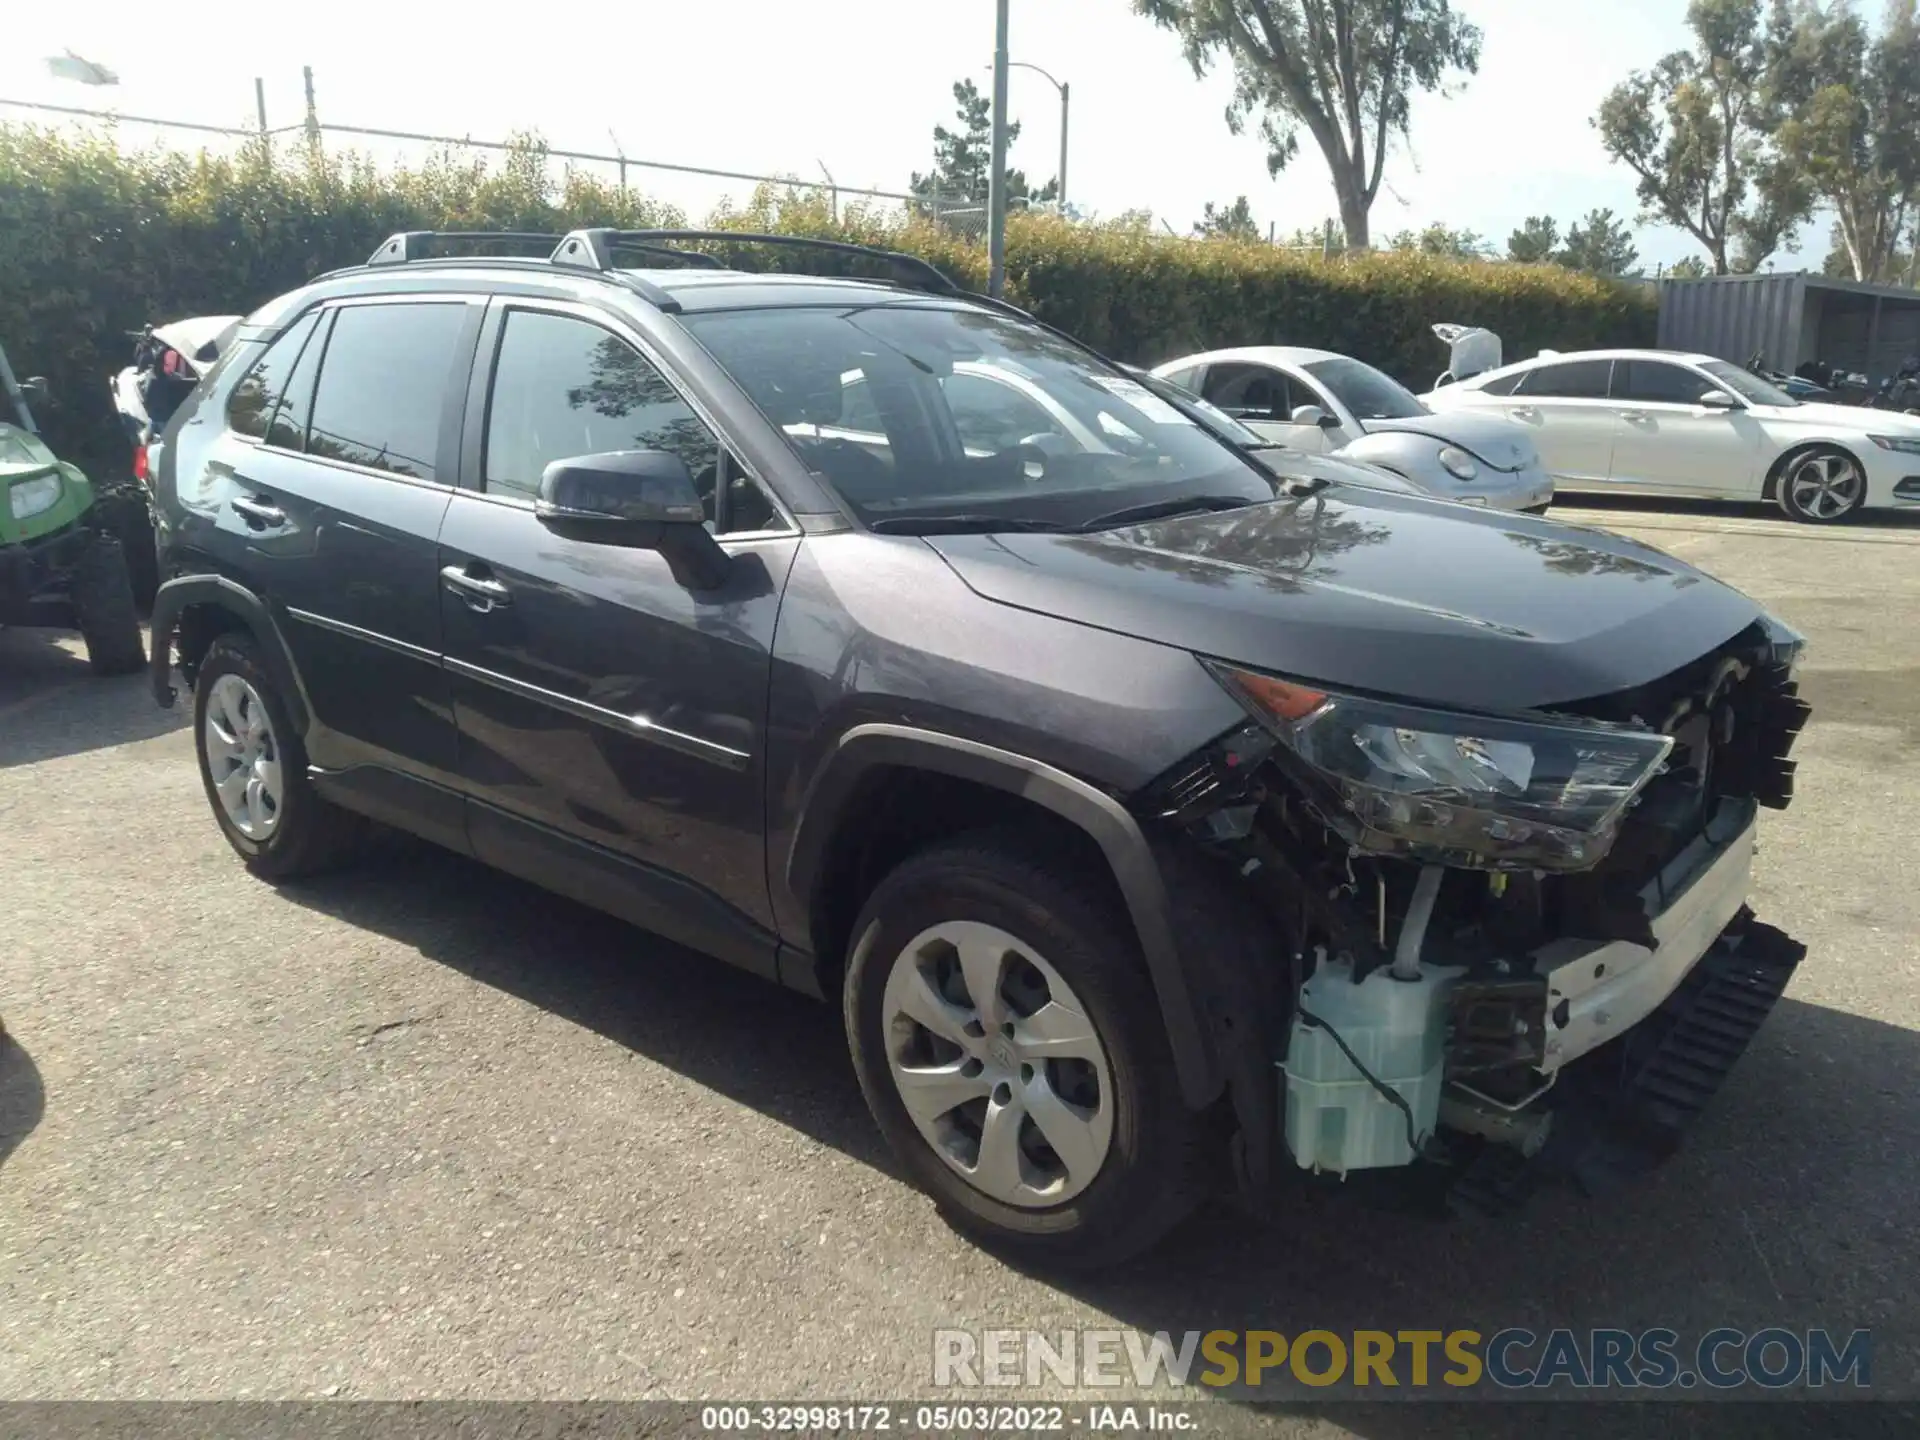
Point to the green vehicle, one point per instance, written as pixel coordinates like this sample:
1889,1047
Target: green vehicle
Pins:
61,563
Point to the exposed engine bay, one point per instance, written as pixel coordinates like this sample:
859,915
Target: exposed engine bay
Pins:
1497,926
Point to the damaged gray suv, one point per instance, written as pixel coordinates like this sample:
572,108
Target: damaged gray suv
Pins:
1165,818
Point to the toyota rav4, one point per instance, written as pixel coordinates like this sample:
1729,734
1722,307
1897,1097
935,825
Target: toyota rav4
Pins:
1164,818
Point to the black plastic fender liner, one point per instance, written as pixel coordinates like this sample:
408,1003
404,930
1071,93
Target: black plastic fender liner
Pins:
177,595
1104,819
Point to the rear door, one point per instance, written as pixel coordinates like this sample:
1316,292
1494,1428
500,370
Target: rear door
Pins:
1669,442
1565,409
332,508
612,721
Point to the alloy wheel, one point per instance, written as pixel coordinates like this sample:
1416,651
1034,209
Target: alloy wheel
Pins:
997,1064
243,757
1825,486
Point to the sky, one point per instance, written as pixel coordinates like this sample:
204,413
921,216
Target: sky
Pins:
857,86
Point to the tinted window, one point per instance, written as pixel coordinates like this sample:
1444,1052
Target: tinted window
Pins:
1575,380
1658,382
288,430
1184,378
564,387
1256,392
383,382
251,407
1747,385
1505,385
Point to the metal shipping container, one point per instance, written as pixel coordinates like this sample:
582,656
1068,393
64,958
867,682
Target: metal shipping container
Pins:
1789,319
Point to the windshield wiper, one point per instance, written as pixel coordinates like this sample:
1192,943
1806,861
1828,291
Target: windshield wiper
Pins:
1166,510
963,525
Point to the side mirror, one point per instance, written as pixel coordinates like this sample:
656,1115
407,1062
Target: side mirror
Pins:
1314,415
1719,400
34,388
636,499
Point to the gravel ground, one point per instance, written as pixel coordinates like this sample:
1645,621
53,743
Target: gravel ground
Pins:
419,1131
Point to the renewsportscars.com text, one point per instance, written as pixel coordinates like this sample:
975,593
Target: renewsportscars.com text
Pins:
1773,1358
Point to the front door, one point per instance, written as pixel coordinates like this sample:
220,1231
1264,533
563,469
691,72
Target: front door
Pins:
333,481
611,720
1668,441
1264,398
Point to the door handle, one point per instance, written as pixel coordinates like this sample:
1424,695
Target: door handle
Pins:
480,593
1524,412
259,513
1633,415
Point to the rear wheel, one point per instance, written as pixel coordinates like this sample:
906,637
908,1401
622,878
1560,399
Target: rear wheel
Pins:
103,605
1010,1046
1821,486
254,770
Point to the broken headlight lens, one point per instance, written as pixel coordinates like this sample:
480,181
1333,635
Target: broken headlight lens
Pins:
1446,788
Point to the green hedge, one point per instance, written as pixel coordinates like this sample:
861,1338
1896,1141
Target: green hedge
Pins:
96,241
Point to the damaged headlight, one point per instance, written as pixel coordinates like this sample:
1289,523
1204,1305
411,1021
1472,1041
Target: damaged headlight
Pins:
1470,790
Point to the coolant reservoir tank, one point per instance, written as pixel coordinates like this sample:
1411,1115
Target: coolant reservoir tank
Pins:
1336,1120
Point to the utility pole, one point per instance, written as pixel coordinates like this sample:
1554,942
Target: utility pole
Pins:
313,116
260,103
1062,196
997,177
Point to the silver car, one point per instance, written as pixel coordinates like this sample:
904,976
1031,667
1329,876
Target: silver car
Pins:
1320,402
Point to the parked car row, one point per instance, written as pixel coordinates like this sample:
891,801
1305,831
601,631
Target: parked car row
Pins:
1163,807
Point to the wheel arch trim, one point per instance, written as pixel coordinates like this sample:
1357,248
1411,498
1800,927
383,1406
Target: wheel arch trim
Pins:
1099,815
175,597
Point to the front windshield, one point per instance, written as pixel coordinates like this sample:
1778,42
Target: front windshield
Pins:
1367,394
927,410
1747,385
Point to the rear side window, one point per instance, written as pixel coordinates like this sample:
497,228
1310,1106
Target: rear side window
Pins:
565,387
1658,382
1574,380
251,407
383,383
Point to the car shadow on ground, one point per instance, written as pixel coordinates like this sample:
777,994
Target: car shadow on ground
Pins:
1791,1204
23,1098
1630,507
52,704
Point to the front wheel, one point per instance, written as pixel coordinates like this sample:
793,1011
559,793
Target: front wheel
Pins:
1822,486
1010,1046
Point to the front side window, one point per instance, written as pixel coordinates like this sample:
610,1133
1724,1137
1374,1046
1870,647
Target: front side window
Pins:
1747,385
251,406
966,413
1364,391
1251,392
1571,380
383,383
1504,384
1659,383
564,387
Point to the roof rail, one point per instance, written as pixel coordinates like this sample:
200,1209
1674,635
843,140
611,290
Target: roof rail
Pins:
408,245
593,250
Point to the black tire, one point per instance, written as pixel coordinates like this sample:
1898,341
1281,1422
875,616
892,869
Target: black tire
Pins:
123,510
103,605
1154,1169
311,834
1785,491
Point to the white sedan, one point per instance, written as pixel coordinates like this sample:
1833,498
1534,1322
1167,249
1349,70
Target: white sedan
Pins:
1323,403
1659,422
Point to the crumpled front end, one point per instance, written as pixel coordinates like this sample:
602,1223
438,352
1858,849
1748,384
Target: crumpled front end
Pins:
1514,945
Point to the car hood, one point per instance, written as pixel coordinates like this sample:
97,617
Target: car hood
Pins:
1857,419
1494,439
1365,590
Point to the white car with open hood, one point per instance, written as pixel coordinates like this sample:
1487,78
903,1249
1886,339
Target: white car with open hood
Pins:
1660,422
1322,403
